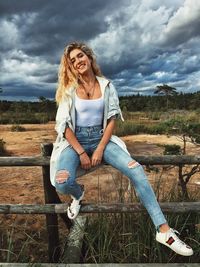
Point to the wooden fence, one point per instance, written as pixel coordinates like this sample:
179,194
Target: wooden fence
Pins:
53,205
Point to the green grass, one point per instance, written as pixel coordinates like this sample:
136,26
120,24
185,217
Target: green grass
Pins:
26,117
175,122
130,237
20,243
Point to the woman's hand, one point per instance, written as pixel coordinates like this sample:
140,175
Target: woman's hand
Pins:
98,153
85,161
97,157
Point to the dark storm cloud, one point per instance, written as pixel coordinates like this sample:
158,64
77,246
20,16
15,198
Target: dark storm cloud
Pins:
27,91
138,43
45,26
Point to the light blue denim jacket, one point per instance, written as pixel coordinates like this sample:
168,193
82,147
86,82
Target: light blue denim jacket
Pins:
66,117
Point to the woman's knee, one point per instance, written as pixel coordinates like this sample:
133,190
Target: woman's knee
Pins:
63,181
137,169
133,164
62,176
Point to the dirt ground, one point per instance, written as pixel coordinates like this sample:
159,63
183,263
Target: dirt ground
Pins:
25,185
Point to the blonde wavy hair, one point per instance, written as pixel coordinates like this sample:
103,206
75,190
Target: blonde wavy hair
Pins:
67,75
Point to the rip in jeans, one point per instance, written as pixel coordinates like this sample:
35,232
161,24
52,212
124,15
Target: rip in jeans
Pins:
133,164
62,176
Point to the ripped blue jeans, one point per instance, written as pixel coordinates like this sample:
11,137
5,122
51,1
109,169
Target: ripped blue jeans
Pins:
89,138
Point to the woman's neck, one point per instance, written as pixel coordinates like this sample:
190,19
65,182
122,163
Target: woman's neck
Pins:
88,77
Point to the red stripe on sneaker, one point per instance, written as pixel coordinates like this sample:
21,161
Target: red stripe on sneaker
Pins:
170,240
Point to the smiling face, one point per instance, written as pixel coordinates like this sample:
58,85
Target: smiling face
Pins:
80,61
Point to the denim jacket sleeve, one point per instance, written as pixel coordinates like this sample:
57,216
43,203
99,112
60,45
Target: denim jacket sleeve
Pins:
113,104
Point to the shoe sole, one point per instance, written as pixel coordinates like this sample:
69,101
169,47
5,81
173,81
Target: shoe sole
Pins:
188,254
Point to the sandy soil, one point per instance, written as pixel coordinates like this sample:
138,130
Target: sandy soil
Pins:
25,185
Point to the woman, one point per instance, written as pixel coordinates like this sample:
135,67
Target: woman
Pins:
85,120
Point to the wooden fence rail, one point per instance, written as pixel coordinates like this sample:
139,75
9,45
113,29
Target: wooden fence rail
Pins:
53,206
178,207
144,160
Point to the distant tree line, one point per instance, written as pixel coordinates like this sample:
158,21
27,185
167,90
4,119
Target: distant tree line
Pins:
189,101
27,112
43,105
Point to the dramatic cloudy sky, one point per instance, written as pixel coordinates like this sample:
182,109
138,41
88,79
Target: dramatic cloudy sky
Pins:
139,43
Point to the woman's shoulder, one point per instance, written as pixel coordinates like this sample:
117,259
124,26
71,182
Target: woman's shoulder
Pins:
106,85
69,92
103,80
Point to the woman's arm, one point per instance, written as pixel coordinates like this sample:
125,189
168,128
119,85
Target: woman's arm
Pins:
107,134
72,140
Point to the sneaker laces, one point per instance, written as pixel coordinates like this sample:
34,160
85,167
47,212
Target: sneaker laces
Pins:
175,231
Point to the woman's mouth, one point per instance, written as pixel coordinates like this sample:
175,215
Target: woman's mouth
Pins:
82,65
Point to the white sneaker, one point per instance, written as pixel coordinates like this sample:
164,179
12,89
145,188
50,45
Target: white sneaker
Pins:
171,240
73,209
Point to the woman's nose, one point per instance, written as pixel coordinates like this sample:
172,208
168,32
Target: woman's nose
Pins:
77,60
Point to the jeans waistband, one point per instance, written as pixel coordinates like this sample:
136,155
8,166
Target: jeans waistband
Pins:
89,128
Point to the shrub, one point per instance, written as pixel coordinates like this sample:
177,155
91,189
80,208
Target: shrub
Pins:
160,128
172,150
193,128
17,128
154,115
129,128
42,118
2,147
197,139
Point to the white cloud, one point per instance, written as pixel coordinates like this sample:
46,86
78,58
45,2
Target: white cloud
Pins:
184,23
138,31
9,35
21,67
193,82
160,74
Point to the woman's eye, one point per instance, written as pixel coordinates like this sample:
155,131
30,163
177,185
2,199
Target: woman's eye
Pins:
80,55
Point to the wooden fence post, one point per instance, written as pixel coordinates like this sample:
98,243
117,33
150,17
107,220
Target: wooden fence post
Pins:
51,219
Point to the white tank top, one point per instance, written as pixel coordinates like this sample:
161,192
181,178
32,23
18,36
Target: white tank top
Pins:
89,112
